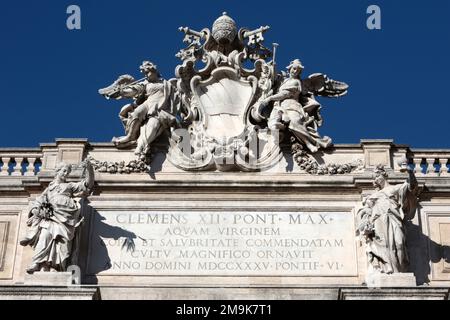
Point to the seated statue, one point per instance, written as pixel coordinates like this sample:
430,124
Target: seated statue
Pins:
151,113
296,109
54,219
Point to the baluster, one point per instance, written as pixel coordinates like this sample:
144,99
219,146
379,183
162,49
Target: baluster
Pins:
30,168
17,170
417,166
38,165
431,170
444,170
5,168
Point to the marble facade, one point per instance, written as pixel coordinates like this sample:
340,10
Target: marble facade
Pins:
223,188
275,233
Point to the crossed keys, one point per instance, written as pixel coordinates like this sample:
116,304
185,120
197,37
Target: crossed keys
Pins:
190,39
256,36
191,36
194,37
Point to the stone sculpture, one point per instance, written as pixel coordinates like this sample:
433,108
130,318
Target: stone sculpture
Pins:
151,113
54,219
221,115
382,222
296,109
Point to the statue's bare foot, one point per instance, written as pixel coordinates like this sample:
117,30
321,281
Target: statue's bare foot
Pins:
122,142
118,140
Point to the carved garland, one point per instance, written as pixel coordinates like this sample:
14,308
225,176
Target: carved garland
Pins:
309,165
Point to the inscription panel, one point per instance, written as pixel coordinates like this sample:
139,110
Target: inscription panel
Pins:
220,243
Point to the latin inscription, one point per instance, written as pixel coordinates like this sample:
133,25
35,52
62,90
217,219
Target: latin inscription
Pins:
224,244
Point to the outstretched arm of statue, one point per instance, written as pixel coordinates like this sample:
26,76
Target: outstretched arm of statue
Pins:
132,91
412,180
83,188
116,89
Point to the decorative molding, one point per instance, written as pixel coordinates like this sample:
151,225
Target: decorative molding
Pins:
4,234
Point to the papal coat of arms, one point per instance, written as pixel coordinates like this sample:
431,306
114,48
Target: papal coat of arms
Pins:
220,115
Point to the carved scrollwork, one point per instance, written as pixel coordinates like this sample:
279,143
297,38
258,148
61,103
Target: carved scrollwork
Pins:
220,102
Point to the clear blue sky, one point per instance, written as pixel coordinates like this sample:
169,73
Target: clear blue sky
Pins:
399,76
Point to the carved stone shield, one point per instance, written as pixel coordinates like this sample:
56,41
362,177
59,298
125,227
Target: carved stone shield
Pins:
224,100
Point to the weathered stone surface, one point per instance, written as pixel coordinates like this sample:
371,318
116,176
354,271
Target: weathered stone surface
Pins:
173,191
394,294
208,293
225,242
57,279
48,293
396,280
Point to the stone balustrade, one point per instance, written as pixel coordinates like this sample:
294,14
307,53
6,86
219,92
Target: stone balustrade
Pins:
28,161
430,162
20,161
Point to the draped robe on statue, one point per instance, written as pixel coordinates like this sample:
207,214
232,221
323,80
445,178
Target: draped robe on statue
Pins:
293,114
156,114
52,238
386,249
